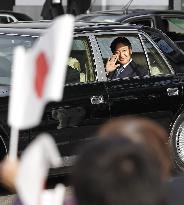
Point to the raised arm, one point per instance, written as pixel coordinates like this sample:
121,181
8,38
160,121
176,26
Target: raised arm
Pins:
111,63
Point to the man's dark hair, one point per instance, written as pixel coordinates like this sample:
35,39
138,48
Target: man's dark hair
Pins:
118,40
116,171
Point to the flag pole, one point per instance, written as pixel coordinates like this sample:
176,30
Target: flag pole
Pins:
13,146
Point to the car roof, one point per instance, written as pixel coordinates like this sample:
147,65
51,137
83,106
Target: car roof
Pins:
39,26
121,14
139,11
27,24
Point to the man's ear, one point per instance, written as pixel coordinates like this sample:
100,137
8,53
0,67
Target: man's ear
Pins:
131,51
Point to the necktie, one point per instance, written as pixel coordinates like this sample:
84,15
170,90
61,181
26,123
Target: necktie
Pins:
119,70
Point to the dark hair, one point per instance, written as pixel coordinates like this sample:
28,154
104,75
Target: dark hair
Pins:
116,171
118,40
145,131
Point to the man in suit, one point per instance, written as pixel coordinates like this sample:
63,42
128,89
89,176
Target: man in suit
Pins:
51,10
121,65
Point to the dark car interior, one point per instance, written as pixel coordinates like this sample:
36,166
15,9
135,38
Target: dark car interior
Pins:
77,69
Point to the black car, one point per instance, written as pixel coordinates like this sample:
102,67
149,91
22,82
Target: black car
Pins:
12,16
90,98
171,22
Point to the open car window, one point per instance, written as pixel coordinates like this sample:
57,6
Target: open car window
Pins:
80,63
138,54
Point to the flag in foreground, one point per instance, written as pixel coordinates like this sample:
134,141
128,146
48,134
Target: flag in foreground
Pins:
34,165
39,74
53,196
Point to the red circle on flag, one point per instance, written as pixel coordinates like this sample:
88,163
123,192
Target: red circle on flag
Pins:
41,73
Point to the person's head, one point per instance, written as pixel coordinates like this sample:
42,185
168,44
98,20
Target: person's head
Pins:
142,131
116,171
121,46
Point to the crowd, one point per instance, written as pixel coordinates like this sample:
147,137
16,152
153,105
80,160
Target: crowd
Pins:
129,163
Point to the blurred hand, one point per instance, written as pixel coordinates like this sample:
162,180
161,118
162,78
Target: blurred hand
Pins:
8,172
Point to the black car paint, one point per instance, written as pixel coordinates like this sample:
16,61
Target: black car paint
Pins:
79,118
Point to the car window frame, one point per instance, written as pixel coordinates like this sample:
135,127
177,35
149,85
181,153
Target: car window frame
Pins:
159,34
113,32
80,36
8,17
98,60
131,35
118,32
139,33
158,50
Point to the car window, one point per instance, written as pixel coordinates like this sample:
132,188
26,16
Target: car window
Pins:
80,64
10,19
158,65
138,54
145,22
3,19
7,45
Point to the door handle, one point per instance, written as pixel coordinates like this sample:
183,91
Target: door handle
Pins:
95,100
152,96
172,91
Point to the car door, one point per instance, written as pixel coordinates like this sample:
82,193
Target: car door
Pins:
84,106
158,95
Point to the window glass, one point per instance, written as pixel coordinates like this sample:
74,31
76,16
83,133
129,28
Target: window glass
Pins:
80,67
3,19
145,22
80,64
7,46
158,65
10,20
138,54
170,50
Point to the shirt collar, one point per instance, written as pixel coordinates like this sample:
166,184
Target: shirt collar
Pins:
127,63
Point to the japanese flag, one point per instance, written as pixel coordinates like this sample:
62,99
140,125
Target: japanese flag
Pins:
39,74
53,196
56,1
34,165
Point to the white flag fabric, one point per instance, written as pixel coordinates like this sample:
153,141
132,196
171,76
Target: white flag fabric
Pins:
39,74
56,1
35,162
53,196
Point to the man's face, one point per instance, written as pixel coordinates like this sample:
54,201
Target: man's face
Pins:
124,53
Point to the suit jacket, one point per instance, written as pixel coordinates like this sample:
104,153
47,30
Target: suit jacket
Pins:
131,70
